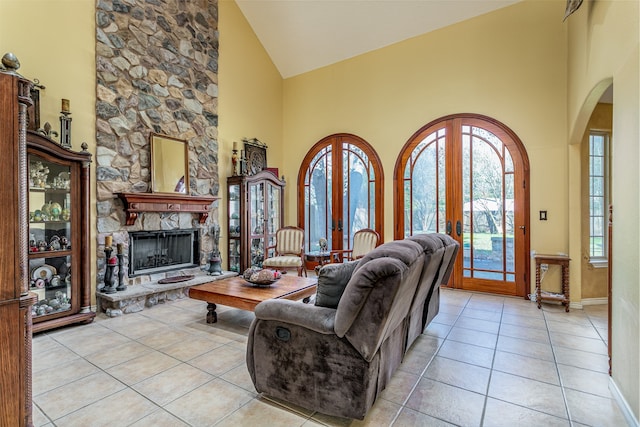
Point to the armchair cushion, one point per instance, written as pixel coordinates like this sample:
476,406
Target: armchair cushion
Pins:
283,261
332,279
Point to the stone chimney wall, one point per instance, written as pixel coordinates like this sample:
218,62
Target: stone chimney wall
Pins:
156,71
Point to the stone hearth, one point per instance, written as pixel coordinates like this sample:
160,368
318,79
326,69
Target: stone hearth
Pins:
146,295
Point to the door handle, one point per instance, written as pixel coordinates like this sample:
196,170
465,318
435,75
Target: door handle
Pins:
524,229
449,228
339,225
333,225
458,228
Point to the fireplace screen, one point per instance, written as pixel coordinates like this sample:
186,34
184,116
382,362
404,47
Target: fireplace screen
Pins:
158,251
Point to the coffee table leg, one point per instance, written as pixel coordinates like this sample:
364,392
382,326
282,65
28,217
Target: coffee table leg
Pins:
212,316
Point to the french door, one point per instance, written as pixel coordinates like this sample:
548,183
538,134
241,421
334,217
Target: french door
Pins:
339,191
466,176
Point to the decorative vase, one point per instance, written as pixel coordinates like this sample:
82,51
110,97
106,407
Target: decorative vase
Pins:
55,210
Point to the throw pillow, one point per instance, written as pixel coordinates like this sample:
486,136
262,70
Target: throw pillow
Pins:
332,279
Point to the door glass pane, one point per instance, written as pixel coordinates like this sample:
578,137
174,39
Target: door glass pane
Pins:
488,213
357,175
467,237
442,185
426,192
408,202
509,224
318,188
425,196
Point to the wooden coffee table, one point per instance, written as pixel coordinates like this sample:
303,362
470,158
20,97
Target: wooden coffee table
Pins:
237,292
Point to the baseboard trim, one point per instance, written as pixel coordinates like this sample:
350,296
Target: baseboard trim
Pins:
575,305
595,301
632,421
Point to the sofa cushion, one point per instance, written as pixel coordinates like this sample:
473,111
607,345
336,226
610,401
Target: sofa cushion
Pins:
332,279
405,251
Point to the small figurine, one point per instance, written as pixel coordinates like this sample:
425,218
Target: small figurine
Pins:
54,243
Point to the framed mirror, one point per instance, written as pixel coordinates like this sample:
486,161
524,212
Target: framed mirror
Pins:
169,165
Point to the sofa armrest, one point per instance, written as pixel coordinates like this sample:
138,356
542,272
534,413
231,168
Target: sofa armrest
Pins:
315,318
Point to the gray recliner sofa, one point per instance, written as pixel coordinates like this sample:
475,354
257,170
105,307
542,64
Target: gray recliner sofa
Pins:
337,360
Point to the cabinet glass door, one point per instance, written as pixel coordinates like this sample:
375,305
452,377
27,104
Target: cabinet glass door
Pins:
274,221
257,222
50,237
234,227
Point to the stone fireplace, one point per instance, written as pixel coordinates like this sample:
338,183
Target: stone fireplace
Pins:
157,71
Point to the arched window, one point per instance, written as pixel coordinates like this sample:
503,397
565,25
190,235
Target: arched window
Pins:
339,191
466,175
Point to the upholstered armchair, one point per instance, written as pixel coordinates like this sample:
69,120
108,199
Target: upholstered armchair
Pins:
289,250
364,241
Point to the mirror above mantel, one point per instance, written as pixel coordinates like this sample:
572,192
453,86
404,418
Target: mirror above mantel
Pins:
169,165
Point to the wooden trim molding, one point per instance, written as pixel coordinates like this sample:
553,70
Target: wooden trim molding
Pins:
135,203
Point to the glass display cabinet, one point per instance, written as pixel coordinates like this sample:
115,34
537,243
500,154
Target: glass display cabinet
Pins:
58,204
255,212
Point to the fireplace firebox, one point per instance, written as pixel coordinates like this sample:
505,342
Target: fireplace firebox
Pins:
162,251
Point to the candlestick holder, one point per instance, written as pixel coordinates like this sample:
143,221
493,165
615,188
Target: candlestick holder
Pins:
234,161
109,287
121,285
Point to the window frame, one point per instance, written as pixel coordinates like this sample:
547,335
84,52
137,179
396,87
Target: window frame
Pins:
599,261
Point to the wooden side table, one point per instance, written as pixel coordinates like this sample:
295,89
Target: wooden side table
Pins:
563,262
316,259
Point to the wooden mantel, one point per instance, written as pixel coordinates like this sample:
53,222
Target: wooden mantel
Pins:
135,203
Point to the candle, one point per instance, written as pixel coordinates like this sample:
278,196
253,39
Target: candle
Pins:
65,105
235,146
108,240
120,247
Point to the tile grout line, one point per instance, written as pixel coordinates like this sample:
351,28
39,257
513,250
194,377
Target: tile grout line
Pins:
493,359
555,362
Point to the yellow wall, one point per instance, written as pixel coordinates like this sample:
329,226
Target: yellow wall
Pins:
594,278
509,65
604,39
250,98
55,43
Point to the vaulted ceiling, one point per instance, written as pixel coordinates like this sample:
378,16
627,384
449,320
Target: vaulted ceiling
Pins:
303,35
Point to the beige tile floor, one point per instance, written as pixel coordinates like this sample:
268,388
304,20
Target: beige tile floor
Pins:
484,361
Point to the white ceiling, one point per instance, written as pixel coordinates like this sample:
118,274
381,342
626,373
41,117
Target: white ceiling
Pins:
302,35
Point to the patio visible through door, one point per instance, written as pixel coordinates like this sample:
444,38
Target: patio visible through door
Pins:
466,176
